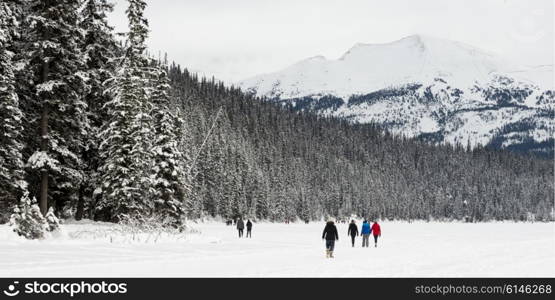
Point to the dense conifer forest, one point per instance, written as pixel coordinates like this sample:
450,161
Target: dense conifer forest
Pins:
272,162
95,127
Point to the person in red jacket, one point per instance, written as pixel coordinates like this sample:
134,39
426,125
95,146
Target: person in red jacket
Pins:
377,232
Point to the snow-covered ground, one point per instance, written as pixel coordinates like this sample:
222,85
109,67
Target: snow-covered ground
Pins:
416,249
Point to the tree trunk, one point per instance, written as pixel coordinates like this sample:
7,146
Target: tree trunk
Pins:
80,204
44,145
44,172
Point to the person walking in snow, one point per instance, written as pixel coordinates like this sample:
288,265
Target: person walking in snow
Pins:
377,232
240,226
330,235
353,231
365,232
249,229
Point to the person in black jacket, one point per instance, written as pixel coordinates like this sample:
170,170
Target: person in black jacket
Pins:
240,226
330,235
353,231
249,229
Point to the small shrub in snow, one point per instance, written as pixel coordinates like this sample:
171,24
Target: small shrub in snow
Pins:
27,219
52,221
152,228
29,222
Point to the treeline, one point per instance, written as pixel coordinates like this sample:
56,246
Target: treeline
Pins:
268,161
95,128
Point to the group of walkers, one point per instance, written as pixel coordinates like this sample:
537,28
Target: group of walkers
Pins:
365,232
331,235
241,227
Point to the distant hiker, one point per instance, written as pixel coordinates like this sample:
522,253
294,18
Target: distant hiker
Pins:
353,231
365,232
330,235
249,228
376,231
240,226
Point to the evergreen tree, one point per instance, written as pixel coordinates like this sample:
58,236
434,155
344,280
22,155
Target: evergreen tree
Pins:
125,148
55,65
52,222
27,220
99,50
11,117
169,173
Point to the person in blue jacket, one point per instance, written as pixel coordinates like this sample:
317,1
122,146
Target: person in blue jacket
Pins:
365,232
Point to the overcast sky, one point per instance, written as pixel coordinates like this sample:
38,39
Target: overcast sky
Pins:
236,39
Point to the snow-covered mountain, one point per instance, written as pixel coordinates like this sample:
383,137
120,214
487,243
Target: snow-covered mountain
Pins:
426,87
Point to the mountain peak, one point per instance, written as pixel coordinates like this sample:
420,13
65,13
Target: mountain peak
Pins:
418,41
419,85
366,67
418,37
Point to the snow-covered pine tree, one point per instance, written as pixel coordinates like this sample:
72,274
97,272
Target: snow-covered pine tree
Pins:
27,219
52,222
99,49
126,139
55,65
192,206
262,202
169,173
11,161
303,206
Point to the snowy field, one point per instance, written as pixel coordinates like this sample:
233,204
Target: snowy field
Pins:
417,249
